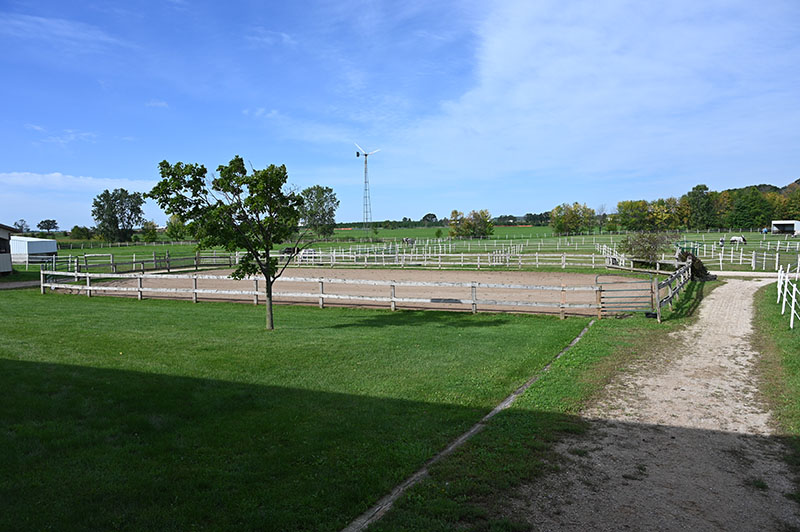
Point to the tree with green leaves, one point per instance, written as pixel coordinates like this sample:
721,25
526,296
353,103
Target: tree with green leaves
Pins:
646,247
236,210
22,226
149,231
318,211
429,219
79,232
176,229
566,218
117,213
48,225
701,208
477,224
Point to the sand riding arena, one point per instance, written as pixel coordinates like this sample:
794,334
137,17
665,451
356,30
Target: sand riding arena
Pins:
476,291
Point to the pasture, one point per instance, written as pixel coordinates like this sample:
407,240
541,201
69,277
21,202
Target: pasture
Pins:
164,415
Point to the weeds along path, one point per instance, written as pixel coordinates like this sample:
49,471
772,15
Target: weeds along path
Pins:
680,442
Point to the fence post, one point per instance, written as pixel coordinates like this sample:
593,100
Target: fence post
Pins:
794,300
475,297
563,260
255,296
88,285
139,285
598,296
394,303
785,290
657,299
561,314
194,289
41,280
321,296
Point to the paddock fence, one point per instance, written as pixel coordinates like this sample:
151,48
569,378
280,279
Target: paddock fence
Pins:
465,296
601,299
788,297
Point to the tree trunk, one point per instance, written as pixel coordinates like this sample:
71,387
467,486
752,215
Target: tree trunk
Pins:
270,320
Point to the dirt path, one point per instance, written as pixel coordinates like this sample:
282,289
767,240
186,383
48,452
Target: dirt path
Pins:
681,442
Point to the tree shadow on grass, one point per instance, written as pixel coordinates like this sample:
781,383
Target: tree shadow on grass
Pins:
405,318
688,302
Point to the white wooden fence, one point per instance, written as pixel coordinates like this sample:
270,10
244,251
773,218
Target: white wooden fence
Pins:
788,296
81,282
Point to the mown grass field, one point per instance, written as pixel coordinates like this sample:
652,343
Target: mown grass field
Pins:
164,415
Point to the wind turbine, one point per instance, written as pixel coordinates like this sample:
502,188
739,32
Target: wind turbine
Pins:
367,205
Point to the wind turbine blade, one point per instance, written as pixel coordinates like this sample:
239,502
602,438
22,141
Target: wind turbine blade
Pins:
376,151
360,148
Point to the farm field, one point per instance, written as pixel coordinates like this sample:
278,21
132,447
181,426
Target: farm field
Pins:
163,415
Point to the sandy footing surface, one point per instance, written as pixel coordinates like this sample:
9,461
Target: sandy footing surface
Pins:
443,298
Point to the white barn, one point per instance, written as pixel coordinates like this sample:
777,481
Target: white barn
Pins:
23,247
5,248
786,226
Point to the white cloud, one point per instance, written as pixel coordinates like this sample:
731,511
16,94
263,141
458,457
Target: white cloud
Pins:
62,33
55,181
259,36
69,136
612,91
157,103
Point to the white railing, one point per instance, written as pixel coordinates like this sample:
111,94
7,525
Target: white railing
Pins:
528,296
788,294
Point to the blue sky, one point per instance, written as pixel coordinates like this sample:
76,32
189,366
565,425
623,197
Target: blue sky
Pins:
513,106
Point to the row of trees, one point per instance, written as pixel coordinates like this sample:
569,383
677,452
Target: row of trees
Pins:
702,208
48,225
698,209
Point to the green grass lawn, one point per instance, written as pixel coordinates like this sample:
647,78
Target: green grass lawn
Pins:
164,415
19,274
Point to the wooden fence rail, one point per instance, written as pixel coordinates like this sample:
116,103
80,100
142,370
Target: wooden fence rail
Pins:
82,282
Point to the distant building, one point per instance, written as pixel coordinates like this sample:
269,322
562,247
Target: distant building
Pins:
786,226
22,247
5,248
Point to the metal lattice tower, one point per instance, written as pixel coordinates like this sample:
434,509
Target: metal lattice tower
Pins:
367,203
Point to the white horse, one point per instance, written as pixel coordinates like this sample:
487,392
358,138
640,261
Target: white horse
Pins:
738,240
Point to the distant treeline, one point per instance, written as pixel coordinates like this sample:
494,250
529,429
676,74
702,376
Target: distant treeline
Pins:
701,208
431,220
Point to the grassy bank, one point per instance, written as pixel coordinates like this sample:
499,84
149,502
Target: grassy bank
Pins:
780,369
164,415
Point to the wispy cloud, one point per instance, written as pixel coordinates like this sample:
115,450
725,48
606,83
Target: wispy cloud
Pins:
263,37
69,136
157,103
34,127
62,33
57,181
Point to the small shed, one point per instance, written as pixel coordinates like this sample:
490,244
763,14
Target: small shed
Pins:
24,247
786,226
5,248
